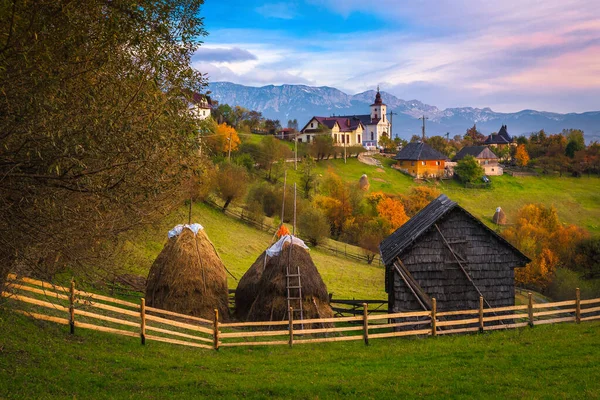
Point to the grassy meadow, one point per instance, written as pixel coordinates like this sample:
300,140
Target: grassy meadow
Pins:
577,200
239,245
42,360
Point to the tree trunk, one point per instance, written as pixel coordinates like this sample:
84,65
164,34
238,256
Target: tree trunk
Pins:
227,203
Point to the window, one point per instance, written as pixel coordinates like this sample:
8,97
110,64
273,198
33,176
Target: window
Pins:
492,169
348,139
335,138
299,140
359,139
412,164
203,112
343,137
311,124
422,162
372,136
375,115
437,163
307,138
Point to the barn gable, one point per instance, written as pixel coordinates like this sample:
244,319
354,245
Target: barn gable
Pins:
446,253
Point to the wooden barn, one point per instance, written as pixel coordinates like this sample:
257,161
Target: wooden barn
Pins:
446,253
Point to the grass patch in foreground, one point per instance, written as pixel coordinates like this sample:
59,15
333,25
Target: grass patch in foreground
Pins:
41,360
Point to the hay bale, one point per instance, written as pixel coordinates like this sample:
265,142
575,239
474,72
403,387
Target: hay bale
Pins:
261,294
499,217
188,277
363,182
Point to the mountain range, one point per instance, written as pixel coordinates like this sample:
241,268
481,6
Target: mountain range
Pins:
301,102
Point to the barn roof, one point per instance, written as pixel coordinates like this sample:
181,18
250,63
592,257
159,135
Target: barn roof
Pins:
419,151
475,151
399,241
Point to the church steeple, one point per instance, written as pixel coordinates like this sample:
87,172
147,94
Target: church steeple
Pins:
378,100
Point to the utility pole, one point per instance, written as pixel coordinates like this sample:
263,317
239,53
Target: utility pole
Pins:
423,129
345,140
447,136
229,156
391,114
295,150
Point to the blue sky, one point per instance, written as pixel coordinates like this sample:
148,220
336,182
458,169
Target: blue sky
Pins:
508,55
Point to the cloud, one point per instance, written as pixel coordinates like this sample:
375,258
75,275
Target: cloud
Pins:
225,55
458,53
277,10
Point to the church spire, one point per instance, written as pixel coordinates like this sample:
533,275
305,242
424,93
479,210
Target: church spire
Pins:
378,97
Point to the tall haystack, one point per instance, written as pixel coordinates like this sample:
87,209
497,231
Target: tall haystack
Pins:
261,294
363,182
188,276
499,217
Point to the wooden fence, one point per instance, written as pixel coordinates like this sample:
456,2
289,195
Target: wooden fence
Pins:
338,251
83,310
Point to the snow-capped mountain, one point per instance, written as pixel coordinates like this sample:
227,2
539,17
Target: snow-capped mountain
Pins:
302,102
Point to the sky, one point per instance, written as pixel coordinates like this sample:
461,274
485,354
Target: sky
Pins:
508,55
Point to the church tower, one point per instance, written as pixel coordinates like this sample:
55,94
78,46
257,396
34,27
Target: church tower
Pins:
378,109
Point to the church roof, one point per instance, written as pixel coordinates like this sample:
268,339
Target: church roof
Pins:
419,151
502,137
378,101
346,124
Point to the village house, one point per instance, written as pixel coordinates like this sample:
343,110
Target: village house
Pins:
202,105
446,253
365,130
421,160
484,156
286,134
500,139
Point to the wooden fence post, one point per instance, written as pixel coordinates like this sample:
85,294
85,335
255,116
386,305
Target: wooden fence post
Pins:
366,323
530,309
143,320
481,314
577,306
291,326
433,317
216,330
72,307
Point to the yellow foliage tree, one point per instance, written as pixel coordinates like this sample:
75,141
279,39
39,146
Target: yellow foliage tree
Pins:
392,212
539,234
521,156
218,140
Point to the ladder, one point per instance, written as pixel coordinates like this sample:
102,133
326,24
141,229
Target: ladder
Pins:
294,291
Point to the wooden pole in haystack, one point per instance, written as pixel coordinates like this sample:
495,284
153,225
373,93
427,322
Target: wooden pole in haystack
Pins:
291,326
366,323
530,309
72,307
433,317
577,306
143,320
216,330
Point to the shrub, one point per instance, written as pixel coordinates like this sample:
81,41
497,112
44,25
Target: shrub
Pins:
313,225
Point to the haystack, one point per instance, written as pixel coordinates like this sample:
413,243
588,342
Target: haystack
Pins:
499,217
363,182
188,276
261,294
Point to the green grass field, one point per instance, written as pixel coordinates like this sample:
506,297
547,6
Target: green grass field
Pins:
577,200
43,361
239,245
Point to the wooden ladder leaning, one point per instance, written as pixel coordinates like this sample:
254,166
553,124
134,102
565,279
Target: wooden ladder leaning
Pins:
294,292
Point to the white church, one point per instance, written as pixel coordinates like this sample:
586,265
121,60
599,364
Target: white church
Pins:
349,130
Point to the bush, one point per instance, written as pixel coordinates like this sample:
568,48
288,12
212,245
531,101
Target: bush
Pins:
468,170
587,258
565,282
313,225
266,196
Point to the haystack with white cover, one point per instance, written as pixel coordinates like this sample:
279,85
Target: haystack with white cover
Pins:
261,294
188,275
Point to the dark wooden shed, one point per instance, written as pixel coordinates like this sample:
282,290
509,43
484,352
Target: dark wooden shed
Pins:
446,253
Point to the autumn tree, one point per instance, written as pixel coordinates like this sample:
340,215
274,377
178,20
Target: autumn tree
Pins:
96,133
392,212
231,183
308,177
540,235
473,137
521,156
418,198
272,151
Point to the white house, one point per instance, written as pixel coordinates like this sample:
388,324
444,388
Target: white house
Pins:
364,129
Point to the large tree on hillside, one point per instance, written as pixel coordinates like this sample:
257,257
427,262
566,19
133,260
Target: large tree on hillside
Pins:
96,135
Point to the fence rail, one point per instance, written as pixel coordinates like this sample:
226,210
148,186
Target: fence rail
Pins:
84,310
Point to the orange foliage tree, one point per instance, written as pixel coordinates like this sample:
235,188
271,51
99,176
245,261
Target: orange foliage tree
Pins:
539,234
521,156
218,139
392,212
